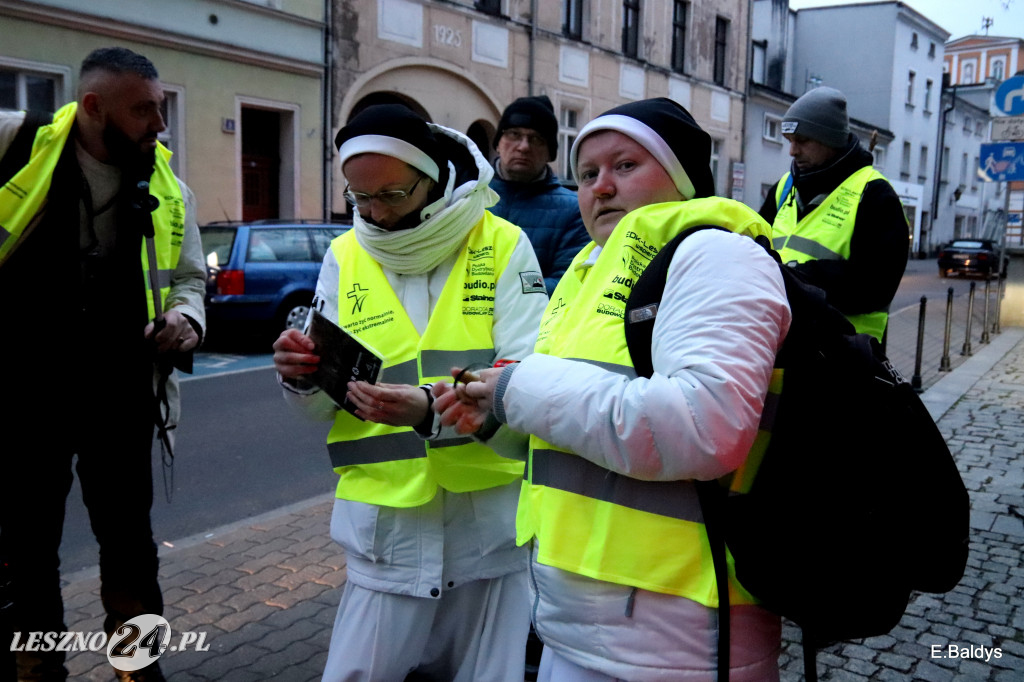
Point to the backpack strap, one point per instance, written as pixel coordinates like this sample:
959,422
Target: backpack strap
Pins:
641,311
21,146
785,192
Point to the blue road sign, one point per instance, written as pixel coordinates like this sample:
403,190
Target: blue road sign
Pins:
1001,161
1010,96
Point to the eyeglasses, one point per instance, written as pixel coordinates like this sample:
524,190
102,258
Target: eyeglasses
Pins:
389,197
515,137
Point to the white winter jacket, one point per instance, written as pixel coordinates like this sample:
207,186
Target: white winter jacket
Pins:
456,537
723,316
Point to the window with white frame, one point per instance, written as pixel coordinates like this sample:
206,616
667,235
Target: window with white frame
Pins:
772,128
963,170
967,73
171,136
974,174
931,50
24,88
998,68
968,124
572,19
879,154
913,41
922,165
680,12
911,76
905,162
568,129
929,86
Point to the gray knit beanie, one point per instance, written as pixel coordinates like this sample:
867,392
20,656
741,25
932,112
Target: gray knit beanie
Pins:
819,115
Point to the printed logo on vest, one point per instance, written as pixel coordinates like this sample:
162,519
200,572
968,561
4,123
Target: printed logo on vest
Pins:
358,296
533,282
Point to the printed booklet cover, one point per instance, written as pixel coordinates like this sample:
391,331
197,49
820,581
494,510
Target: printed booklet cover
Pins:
343,358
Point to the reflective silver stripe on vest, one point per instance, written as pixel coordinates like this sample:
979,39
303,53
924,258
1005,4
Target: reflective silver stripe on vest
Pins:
673,499
376,449
439,363
403,373
164,277
804,245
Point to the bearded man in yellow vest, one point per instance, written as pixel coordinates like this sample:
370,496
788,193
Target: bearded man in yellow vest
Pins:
622,580
436,585
835,219
80,347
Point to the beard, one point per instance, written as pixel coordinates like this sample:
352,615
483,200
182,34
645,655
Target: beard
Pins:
127,153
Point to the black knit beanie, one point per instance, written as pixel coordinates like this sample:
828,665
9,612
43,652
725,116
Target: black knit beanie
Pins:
536,113
671,135
393,130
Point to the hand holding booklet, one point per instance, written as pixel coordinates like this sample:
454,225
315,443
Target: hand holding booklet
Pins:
343,358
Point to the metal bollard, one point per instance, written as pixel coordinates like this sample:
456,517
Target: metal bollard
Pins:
984,323
915,381
999,304
944,365
966,350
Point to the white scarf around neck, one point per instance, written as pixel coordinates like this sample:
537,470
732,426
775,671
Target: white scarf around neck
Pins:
424,247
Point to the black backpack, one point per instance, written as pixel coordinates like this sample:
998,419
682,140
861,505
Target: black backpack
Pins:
857,501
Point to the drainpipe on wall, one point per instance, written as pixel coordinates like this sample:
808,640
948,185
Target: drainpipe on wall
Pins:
325,98
533,43
938,169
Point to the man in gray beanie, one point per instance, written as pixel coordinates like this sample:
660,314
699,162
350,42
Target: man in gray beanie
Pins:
531,195
835,218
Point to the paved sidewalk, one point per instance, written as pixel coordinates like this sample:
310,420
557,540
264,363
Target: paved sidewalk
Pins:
265,590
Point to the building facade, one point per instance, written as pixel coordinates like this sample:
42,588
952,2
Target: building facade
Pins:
976,66
461,63
773,87
892,81
245,82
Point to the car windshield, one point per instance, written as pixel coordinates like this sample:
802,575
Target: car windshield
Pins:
217,243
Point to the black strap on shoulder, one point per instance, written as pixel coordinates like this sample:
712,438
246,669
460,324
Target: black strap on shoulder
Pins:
21,146
641,311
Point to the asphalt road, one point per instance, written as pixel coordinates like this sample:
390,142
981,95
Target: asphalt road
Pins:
922,279
240,451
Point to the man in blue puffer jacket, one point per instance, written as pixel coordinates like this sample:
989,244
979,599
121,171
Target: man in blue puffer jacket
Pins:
531,195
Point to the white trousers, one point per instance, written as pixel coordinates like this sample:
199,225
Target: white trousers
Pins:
473,633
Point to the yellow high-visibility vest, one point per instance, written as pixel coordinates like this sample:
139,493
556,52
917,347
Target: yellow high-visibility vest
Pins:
392,466
825,233
591,521
25,195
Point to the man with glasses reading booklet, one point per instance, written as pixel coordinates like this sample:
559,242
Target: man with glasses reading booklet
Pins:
436,586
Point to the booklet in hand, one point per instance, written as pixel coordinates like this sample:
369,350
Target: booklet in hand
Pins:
343,358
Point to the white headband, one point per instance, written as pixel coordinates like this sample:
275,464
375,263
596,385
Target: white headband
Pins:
389,146
646,137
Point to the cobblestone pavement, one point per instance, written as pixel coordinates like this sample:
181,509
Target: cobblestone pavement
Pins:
264,591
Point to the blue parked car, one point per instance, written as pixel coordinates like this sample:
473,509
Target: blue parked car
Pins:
263,273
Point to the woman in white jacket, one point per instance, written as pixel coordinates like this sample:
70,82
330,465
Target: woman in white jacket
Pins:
436,586
622,582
